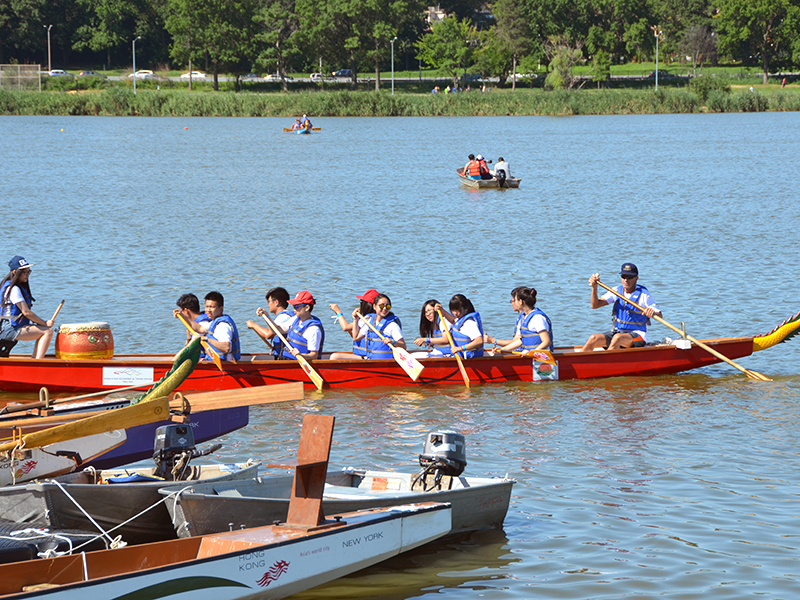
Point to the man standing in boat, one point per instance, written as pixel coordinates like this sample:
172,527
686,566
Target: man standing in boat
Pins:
630,325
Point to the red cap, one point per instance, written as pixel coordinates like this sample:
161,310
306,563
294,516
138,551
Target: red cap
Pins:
303,297
368,296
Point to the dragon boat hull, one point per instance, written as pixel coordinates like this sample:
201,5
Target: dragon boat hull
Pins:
18,374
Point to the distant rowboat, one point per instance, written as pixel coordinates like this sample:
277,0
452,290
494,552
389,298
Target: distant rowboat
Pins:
513,182
301,131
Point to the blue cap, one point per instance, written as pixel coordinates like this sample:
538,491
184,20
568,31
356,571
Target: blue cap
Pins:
18,263
629,269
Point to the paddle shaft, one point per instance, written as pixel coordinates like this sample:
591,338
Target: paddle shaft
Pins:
400,355
707,348
453,348
214,356
315,377
58,310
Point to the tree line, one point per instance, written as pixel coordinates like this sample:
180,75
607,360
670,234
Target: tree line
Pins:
494,39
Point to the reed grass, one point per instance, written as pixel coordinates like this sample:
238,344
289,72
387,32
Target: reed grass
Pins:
120,101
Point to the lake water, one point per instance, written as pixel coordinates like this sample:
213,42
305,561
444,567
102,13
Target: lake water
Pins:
675,486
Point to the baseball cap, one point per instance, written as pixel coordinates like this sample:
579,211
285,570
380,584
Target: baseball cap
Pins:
479,157
303,297
629,269
368,296
18,263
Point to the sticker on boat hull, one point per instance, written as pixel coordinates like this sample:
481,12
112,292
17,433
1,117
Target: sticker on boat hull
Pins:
124,376
545,371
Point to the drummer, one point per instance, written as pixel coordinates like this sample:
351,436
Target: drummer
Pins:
18,322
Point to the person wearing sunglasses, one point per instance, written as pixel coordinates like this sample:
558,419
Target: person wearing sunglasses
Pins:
466,329
306,334
533,331
359,345
20,323
630,326
387,323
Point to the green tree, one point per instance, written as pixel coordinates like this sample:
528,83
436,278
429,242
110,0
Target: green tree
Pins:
601,68
20,27
754,27
279,24
449,46
327,32
512,33
563,55
111,24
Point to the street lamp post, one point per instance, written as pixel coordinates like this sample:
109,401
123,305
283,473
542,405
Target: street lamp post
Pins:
133,45
392,42
49,64
657,32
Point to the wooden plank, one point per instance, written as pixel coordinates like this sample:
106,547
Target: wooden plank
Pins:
263,394
123,418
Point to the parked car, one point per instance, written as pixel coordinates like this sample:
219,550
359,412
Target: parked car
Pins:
90,74
343,73
522,77
144,74
193,75
317,77
661,75
468,77
60,73
251,77
277,77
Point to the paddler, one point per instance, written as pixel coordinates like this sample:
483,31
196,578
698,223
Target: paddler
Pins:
387,323
278,305
533,331
297,124
189,308
630,326
366,308
465,326
306,334
19,322
220,331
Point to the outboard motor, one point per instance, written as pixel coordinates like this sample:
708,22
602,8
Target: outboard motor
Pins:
501,177
444,454
173,449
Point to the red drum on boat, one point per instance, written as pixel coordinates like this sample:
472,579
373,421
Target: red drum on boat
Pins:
84,341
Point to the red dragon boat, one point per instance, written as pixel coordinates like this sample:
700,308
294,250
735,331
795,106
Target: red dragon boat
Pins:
18,374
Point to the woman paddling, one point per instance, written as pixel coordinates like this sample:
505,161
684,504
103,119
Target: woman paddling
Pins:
428,330
389,326
533,331
465,327
359,346
19,322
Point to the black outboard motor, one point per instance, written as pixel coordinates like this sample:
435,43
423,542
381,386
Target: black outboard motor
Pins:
174,448
444,454
501,177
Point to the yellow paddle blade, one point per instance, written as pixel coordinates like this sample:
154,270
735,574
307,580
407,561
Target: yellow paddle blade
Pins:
409,364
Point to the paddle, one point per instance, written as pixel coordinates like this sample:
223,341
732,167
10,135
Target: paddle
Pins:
710,350
123,418
542,356
290,130
409,364
453,348
309,370
212,353
58,310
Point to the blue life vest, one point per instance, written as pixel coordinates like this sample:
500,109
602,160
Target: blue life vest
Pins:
459,339
375,347
624,317
296,339
17,320
531,339
360,347
202,318
277,344
235,349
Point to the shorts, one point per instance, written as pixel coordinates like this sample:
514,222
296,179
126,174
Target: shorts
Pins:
7,332
638,342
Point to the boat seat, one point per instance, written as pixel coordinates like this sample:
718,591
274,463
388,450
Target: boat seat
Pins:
230,493
337,492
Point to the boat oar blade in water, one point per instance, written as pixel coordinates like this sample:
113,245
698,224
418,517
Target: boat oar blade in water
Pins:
706,347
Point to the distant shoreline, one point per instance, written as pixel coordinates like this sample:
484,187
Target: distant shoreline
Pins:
182,103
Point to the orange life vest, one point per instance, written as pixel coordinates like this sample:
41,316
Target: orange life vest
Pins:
483,167
473,168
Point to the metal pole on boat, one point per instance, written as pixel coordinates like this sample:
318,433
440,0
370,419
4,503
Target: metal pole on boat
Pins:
392,43
133,45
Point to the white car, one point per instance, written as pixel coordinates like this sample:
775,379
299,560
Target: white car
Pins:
144,74
315,77
193,75
277,77
60,73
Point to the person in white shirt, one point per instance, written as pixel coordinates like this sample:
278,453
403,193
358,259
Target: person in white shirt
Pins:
278,305
502,165
19,322
630,325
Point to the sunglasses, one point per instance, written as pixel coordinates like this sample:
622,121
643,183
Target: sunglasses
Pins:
629,276
385,306
299,306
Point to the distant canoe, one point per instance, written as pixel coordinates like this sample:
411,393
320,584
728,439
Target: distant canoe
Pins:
513,182
290,130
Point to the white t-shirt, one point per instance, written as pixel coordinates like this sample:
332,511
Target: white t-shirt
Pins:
14,297
503,166
223,332
470,329
538,323
645,300
313,336
282,320
392,331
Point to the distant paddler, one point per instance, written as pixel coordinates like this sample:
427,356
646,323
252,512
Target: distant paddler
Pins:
19,322
296,125
306,336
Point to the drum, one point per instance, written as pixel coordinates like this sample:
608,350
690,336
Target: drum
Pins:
84,341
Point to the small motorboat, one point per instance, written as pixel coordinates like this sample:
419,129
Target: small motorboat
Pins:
512,182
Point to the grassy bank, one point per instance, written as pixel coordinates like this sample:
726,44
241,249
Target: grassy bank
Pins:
122,102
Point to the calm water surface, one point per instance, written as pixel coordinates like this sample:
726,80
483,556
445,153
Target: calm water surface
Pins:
675,486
